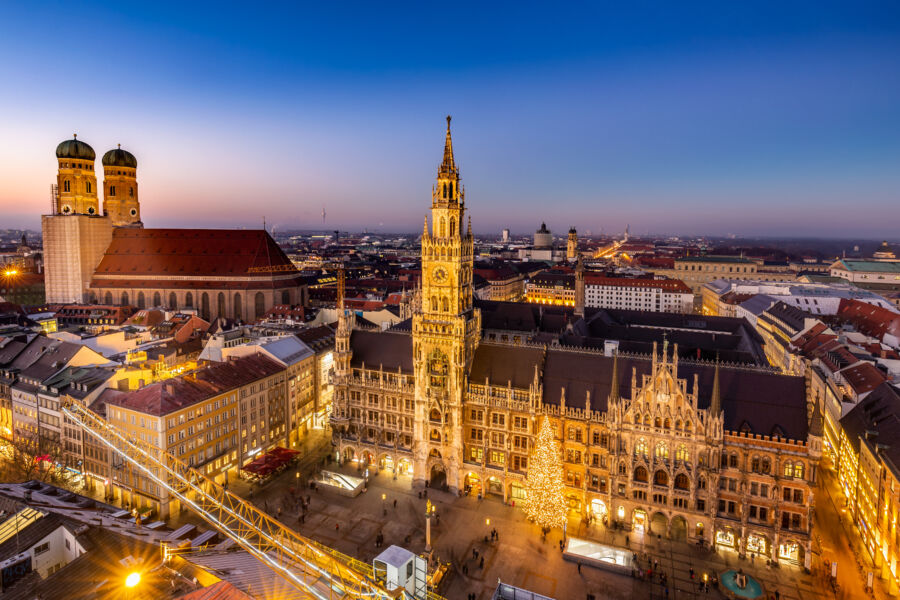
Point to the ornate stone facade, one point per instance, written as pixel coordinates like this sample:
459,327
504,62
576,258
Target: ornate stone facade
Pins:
694,451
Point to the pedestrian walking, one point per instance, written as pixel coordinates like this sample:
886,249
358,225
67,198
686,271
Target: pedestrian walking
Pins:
481,564
395,503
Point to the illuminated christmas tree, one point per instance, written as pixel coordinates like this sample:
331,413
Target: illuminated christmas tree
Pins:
545,499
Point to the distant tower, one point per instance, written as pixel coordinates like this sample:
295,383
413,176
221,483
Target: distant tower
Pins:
579,288
572,245
120,189
543,239
76,181
505,237
626,232
75,235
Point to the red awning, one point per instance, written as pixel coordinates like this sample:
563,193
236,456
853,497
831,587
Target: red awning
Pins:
270,461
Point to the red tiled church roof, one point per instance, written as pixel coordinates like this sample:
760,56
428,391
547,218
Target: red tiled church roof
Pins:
192,252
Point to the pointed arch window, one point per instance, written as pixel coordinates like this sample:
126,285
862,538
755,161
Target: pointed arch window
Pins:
445,304
662,451
445,190
88,187
434,304
682,454
640,449
67,186
189,300
157,300
451,190
112,190
452,226
173,301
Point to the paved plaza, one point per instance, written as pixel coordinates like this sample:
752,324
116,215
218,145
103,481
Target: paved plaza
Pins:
520,556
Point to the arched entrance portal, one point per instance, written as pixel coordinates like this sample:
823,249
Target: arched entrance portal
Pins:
659,524
679,529
438,477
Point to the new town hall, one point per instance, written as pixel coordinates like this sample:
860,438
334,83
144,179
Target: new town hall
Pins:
694,450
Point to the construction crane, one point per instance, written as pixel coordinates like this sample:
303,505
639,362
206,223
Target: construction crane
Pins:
315,570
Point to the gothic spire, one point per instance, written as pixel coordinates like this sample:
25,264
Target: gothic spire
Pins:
715,403
817,421
448,166
614,385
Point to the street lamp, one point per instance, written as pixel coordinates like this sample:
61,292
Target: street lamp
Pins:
383,507
133,579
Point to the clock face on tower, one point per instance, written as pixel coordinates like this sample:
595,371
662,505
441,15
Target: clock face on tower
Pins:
439,275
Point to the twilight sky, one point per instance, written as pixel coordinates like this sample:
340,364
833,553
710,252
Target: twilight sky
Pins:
750,118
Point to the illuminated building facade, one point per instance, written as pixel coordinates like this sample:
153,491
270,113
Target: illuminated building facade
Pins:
549,287
654,295
868,469
695,451
215,419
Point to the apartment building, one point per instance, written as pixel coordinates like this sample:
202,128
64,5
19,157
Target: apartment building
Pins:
215,419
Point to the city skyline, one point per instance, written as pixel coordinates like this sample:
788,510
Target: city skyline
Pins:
681,123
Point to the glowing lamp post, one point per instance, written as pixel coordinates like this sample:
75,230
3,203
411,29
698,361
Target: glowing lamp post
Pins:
429,510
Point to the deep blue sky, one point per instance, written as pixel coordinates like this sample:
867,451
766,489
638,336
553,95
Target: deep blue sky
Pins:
687,118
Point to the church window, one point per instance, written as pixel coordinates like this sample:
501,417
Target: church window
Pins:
204,306
445,190
259,305
238,309
452,226
112,190
682,454
640,449
451,189
88,187
434,304
443,231
173,301
220,305
67,186
140,300
285,297
124,298
662,451
189,300
157,301
107,299
445,304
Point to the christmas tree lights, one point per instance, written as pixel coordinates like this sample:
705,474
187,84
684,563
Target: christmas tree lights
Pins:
545,499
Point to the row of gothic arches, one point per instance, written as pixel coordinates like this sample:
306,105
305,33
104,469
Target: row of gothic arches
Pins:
686,426
203,302
661,477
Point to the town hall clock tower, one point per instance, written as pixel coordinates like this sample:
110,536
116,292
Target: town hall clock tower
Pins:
445,331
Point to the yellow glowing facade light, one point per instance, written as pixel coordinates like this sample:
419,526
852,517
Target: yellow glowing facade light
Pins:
545,499
11,272
133,579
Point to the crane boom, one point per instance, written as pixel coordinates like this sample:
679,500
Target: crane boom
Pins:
319,572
